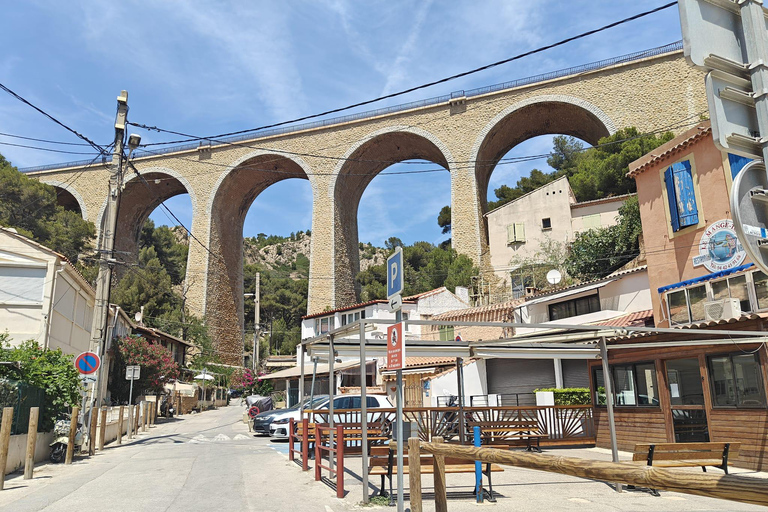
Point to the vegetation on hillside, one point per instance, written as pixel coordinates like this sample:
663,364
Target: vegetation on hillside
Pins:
30,207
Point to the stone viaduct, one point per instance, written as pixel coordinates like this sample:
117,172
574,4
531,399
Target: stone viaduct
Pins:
467,133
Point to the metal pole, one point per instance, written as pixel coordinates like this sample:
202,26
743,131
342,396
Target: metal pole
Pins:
312,389
107,244
753,23
256,319
364,410
331,392
460,378
301,384
400,440
608,380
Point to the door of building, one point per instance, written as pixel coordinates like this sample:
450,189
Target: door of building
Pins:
689,415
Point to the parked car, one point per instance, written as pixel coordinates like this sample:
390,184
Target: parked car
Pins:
262,421
279,427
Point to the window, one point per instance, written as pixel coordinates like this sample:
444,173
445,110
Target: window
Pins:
324,325
736,381
546,223
591,221
734,287
687,305
737,163
344,319
446,333
516,233
634,385
683,211
404,317
574,307
371,402
761,289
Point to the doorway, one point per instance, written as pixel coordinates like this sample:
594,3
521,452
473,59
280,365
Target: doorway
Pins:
689,415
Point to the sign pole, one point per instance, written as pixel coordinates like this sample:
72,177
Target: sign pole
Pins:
400,440
396,354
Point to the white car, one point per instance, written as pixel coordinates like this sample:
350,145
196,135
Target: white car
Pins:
279,428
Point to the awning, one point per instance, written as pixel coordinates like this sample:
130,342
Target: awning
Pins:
181,388
707,277
322,369
573,291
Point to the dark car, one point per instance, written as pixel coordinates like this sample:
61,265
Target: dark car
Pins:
262,420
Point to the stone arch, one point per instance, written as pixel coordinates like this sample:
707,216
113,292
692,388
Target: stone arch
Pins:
361,163
231,197
139,198
531,117
68,197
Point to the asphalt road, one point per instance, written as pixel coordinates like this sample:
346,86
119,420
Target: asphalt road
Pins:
206,462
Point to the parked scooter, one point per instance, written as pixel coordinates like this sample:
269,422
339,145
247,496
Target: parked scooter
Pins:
166,408
61,440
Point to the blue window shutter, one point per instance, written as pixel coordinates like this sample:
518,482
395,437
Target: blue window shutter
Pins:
672,198
737,163
688,212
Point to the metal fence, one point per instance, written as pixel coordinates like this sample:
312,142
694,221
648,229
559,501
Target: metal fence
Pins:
22,397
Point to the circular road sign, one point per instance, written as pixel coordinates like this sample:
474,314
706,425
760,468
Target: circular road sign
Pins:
749,209
87,363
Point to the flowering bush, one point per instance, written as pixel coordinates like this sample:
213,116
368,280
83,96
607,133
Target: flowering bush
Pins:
156,362
242,379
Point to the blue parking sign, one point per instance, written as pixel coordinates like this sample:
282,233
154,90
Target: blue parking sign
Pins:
395,273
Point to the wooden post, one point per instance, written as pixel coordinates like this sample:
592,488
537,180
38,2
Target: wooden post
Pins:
144,414
5,441
414,473
29,463
103,429
135,419
318,455
72,433
92,432
438,463
120,426
129,429
305,444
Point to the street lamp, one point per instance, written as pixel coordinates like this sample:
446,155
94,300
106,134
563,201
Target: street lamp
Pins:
256,308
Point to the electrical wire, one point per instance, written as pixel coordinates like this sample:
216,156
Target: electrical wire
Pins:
425,85
49,116
47,149
44,140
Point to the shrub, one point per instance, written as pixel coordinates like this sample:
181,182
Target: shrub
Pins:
569,396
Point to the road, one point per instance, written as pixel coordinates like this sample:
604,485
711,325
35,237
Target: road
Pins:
206,462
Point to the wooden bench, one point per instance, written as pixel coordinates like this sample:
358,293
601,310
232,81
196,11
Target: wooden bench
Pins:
383,462
513,431
377,433
679,455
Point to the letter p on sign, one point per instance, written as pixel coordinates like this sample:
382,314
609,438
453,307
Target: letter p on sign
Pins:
395,274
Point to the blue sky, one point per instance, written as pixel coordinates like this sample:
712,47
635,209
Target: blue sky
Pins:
208,67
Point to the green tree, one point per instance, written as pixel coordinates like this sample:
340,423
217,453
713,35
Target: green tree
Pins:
148,285
444,219
156,361
505,194
566,152
31,208
171,253
532,271
598,252
51,370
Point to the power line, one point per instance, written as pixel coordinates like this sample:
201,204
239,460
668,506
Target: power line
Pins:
425,85
44,140
47,149
49,116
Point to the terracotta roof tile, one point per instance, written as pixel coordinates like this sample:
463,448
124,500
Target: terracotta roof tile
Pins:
636,319
415,362
671,148
492,313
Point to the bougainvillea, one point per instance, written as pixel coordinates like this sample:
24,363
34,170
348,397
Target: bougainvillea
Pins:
156,362
242,379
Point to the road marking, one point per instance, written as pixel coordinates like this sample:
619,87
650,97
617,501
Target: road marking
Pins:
239,437
328,509
200,438
221,437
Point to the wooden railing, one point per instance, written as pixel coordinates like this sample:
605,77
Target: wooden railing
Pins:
325,442
562,423
729,487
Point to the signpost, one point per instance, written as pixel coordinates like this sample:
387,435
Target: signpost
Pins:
730,40
395,333
132,373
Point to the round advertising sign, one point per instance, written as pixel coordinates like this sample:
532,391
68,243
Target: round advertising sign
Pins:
719,247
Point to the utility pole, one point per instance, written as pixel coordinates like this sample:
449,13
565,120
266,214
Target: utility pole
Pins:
106,248
256,319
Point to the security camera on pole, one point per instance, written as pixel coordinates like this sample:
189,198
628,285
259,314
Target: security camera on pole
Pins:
396,354
729,39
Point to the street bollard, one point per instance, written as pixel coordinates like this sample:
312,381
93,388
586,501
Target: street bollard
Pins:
29,463
129,430
120,425
144,414
92,431
5,441
72,432
102,428
135,419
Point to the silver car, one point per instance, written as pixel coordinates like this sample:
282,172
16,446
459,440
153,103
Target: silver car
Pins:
279,427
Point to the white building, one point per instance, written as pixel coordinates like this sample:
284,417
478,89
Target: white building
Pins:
520,228
42,296
416,307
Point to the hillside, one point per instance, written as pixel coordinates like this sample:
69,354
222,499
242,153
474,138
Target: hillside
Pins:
291,254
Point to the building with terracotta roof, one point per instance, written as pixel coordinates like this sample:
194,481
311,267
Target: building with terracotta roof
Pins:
520,228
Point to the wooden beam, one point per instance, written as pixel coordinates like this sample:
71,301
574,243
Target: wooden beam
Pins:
729,487
29,463
72,432
414,473
438,464
5,441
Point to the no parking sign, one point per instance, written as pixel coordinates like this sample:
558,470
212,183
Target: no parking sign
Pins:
87,363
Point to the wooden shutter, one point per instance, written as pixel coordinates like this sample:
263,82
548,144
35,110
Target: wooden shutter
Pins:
510,233
519,232
672,198
737,163
688,212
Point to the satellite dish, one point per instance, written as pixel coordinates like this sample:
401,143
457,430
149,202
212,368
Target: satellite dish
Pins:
137,317
554,276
